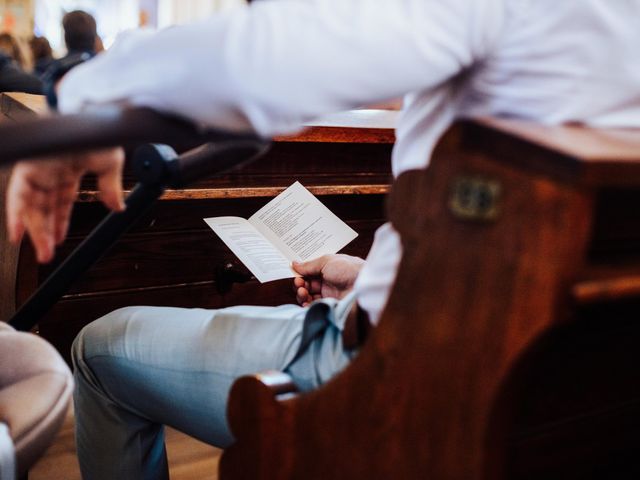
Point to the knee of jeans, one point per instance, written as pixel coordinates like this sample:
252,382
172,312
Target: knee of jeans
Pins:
111,325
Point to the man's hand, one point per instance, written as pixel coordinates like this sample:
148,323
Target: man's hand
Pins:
328,276
41,193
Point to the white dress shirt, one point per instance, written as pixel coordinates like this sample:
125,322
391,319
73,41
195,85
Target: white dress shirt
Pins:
274,65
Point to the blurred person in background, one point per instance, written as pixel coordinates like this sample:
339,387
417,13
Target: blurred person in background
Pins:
80,33
42,55
11,47
81,39
13,62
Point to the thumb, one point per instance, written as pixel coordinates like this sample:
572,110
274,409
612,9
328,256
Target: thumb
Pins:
109,173
312,268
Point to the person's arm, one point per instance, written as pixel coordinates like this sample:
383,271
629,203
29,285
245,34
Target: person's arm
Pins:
268,68
272,66
12,79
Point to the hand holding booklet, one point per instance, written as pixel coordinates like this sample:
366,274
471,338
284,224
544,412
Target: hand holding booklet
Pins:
293,226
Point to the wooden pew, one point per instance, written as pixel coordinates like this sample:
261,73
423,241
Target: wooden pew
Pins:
172,258
509,347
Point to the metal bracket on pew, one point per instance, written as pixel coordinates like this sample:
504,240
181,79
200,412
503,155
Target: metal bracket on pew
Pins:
228,274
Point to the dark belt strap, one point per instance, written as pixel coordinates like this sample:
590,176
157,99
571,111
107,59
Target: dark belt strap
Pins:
356,329
316,322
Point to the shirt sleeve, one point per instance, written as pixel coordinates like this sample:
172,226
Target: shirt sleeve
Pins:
271,66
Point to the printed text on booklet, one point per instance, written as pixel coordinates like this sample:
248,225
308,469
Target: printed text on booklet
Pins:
293,226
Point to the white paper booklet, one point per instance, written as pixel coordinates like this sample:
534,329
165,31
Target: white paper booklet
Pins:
293,226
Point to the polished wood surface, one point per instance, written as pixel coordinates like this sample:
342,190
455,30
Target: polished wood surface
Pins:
17,106
508,348
172,258
592,146
373,126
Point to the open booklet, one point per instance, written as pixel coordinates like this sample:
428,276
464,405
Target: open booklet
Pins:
293,226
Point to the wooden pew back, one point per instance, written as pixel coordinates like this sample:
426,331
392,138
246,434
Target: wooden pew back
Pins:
508,346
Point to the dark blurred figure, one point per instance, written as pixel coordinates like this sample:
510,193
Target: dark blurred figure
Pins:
80,37
42,54
10,46
80,32
12,76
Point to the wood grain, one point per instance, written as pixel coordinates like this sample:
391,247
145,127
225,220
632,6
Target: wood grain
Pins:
8,257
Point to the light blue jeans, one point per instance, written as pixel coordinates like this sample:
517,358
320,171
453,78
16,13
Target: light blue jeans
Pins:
140,368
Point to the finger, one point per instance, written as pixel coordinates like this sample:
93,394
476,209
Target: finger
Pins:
299,282
310,268
28,209
108,167
64,206
315,285
38,221
16,231
302,296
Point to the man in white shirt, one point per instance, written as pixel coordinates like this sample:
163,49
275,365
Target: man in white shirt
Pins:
269,68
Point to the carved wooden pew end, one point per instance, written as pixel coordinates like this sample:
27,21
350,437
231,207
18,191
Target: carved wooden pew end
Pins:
508,346
257,414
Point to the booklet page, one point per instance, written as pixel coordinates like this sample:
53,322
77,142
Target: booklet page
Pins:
293,226
252,248
300,226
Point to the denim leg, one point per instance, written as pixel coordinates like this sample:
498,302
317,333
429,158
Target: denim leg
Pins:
139,368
